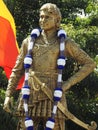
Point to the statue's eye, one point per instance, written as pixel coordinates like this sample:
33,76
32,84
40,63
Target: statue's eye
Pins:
41,16
47,17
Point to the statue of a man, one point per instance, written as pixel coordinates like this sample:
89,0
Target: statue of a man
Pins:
45,53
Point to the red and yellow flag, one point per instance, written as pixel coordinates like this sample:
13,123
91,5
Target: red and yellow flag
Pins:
8,44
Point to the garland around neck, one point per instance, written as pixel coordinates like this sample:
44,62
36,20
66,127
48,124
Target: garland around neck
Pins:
61,61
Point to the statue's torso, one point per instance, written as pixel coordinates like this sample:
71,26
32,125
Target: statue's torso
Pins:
45,56
45,67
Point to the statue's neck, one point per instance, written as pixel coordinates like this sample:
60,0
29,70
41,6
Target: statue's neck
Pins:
49,36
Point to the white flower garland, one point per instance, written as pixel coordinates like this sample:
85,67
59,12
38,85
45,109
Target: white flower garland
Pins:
58,90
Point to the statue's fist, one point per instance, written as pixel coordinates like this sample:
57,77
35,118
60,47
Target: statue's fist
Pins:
7,104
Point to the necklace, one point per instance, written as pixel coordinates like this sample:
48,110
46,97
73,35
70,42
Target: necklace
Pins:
49,39
61,61
49,42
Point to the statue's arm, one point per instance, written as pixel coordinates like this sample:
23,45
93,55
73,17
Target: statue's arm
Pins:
17,71
86,62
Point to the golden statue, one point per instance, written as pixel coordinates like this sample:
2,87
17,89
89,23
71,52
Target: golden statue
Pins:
43,73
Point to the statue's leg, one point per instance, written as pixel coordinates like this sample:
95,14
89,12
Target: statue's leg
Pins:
59,124
21,125
39,123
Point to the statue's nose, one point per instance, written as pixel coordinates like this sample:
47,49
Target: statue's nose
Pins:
43,20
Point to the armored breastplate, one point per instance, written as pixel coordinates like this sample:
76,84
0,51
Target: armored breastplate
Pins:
45,65
45,56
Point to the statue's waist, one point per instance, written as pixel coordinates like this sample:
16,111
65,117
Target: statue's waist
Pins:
40,74
50,80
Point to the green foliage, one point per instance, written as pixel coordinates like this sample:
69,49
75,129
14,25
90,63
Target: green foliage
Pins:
96,69
3,79
7,121
82,22
94,20
82,100
92,7
86,37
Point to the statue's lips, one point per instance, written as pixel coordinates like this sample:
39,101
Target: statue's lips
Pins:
43,24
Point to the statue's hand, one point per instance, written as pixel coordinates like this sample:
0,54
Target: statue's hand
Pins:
66,85
7,104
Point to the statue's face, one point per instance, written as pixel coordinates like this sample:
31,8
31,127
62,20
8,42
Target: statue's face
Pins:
47,21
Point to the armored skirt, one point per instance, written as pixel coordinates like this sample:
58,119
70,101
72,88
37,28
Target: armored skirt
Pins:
39,102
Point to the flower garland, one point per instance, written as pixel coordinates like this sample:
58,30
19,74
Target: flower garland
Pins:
26,89
58,90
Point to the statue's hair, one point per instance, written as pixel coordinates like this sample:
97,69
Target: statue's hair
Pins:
54,10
